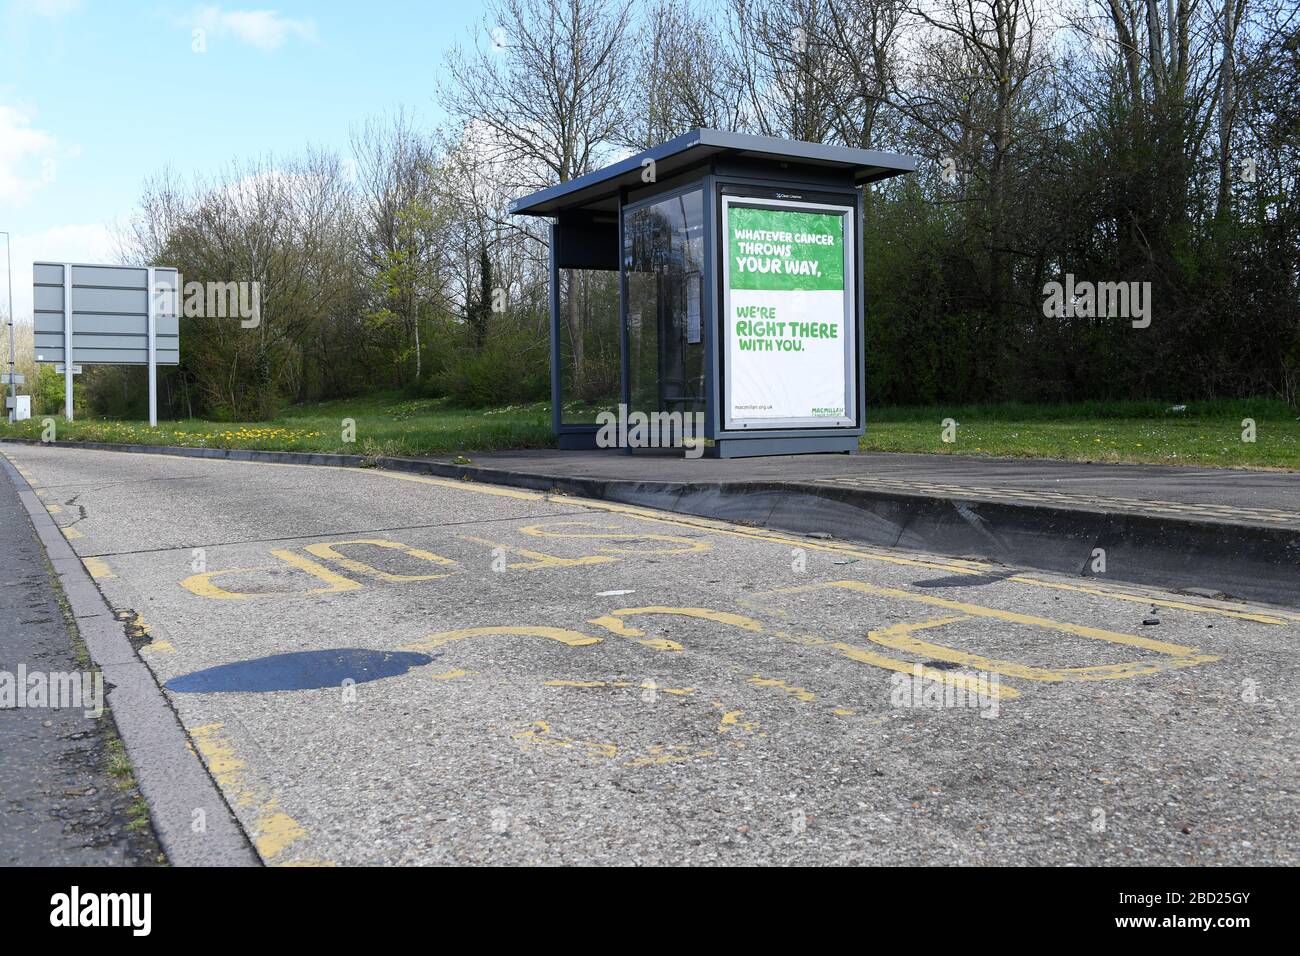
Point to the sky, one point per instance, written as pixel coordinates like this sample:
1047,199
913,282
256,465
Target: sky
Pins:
98,95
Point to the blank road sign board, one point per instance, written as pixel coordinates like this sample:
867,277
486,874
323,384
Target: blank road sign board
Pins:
110,314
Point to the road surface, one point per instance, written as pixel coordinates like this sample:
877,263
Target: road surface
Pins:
380,667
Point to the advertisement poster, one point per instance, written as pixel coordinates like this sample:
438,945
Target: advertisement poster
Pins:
789,315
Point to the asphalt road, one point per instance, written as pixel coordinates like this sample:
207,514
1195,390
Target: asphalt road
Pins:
389,668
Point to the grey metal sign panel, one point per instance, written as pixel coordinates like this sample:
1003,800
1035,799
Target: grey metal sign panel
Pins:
109,301
109,316
108,356
97,324
47,298
110,277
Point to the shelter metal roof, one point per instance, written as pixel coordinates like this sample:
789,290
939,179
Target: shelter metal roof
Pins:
697,147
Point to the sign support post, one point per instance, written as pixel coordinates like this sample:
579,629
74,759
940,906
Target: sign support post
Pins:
9,304
153,352
67,340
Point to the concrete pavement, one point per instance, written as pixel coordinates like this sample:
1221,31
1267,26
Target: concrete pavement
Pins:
1269,498
383,667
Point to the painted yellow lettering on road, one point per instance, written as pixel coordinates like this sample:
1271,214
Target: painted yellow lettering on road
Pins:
201,585
563,635
899,637
955,566
971,683
538,559
614,623
602,533
329,550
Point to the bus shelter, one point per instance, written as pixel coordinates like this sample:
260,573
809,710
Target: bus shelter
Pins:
715,276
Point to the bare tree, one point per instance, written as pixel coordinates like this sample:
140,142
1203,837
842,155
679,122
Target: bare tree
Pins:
787,69
683,77
550,80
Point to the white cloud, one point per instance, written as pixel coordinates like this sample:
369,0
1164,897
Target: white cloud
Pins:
74,243
26,155
266,30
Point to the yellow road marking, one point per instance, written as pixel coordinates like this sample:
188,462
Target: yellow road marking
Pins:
334,582
616,626
497,490
1270,616
201,584
1009,617
613,622
98,568
328,550
972,684
731,721
539,734
799,693
1279,618
899,637
564,636
138,627
539,559
451,674
54,509
273,830
71,533
688,545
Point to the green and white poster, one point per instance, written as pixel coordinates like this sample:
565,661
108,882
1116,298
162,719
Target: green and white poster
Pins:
789,316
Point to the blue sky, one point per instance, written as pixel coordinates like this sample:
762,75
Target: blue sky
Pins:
96,95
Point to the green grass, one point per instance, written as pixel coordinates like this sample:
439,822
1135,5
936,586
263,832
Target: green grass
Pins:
385,425
1208,433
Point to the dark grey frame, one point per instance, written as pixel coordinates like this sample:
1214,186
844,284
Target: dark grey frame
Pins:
739,443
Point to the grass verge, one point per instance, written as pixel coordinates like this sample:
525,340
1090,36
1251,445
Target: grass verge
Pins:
1207,433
